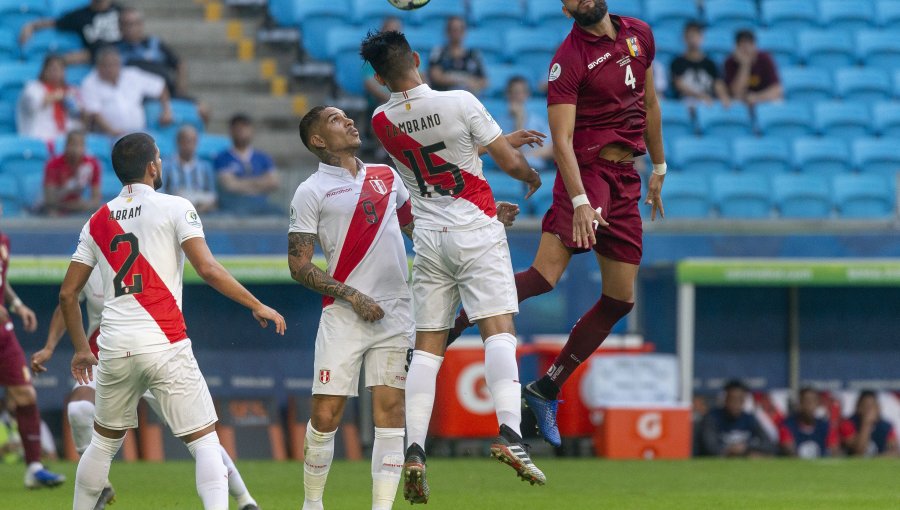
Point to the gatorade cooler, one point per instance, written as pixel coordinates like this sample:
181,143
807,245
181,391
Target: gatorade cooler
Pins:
463,407
643,433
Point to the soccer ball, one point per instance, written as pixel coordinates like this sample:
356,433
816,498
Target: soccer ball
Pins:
408,5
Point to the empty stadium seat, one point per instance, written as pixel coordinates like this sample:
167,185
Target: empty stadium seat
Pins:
763,155
887,12
702,155
489,43
632,8
785,120
530,48
50,41
803,196
56,8
688,196
110,186
9,45
13,77
22,156
10,196
498,75
864,196
348,72
743,196
342,39
731,122
877,156
822,156
843,120
94,144
718,43
863,84
368,12
542,199
827,49
781,44
841,15
498,15
424,40
14,14
669,44
209,146
31,187
7,117
879,49
731,15
316,18
897,83
676,119
505,188
669,15
887,119
790,14
435,16
807,85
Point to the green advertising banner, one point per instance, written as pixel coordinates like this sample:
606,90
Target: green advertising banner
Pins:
788,272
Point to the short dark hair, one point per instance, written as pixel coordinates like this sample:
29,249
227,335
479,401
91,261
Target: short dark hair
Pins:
239,118
807,389
866,394
130,156
735,384
694,25
744,35
389,54
308,122
516,79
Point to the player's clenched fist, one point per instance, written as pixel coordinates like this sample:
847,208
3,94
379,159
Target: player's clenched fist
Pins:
366,307
264,314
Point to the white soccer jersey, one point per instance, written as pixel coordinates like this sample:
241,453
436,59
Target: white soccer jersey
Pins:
433,138
357,225
135,239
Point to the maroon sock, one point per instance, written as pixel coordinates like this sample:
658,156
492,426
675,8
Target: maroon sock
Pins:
29,422
589,332
529,283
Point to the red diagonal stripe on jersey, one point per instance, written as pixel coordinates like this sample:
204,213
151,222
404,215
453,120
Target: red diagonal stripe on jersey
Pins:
476,190
361,232
156,298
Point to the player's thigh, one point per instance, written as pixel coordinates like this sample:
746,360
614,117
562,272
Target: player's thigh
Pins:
622,240
119,386
388,407
84,392
487,285
341,342
14,369
618,278
552,258
435,293
174,378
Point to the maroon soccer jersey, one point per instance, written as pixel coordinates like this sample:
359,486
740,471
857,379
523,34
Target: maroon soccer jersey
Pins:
604,79
4,265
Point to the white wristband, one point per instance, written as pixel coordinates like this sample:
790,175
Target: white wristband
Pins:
660,169
580,200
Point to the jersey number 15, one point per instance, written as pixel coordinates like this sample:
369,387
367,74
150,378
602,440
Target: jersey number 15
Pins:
431,170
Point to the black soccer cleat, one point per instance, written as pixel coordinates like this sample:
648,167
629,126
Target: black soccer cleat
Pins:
509,449
415,487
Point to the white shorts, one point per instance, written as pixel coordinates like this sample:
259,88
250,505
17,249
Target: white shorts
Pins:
345,343
172,376
473,266
92,384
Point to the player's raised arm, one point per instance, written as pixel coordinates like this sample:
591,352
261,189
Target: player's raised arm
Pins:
219,278
83,360
514,163
654,140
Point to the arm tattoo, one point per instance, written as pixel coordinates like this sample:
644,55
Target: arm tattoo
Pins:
304,272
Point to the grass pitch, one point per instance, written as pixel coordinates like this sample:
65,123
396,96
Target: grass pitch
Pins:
486,484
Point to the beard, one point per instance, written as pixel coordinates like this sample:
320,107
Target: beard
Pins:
157,183
593,16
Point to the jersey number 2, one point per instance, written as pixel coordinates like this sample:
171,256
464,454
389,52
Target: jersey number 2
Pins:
629,77
432,170
137,281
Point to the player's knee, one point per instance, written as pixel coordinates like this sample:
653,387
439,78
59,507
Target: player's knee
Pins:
326,417
81,413
23,395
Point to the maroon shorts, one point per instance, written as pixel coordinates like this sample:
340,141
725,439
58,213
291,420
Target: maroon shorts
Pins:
616,188
13,367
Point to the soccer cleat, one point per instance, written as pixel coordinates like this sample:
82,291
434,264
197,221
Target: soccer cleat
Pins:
415,487
544,411
251,506
107,497
43,478
509,449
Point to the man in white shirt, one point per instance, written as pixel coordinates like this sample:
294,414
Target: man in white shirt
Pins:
139,241
113,95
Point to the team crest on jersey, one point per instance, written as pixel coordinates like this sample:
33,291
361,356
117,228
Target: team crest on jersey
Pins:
633,47
293,216
192,218
379,186
324,376
555,71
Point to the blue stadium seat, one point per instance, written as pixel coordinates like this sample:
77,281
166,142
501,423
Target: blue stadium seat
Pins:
343,39
110,186
702,155
877,156
56,8
803,196
497,15
13,77
505,188
20,155
688,196
784,120
435,16
887,119
490,44
530,48
209,145
348,72
283,12
781,44
669,15
498,75
731,15
718,43
841,15
10,196
827,49
879,49
316,19
367,12
669,44
14,14
50,41
31,187
808,85
863,84
95,144
542,199
424,40
632,8
822,156
897,83
763,155
183,112
843,120
743,196
76,73
864,196
731,122
790,14
538,11
7,117
887,12
676,119
9,45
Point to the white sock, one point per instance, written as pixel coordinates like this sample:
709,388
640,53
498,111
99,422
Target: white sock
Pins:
81,421
318,451
420,384
93,470
502,376
236,486
211,475
387,461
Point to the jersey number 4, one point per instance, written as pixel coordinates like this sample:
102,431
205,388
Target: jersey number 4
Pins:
431,170
629,77
137,281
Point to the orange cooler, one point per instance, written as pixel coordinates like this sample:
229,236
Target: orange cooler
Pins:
643,432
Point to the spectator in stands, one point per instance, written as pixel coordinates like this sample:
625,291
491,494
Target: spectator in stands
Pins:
114,96
245,175
517,116
189,176
453,66
866,433
97,24
378,94
803,434
751,74
695,76
729,431
48,108
70,177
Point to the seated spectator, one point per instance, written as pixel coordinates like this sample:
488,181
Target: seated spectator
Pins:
866,433
803,434
114,96
376,93
97,24
729,431
71,176
695,76
48,108
189,176
245,175
751,74
453,66
516,116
